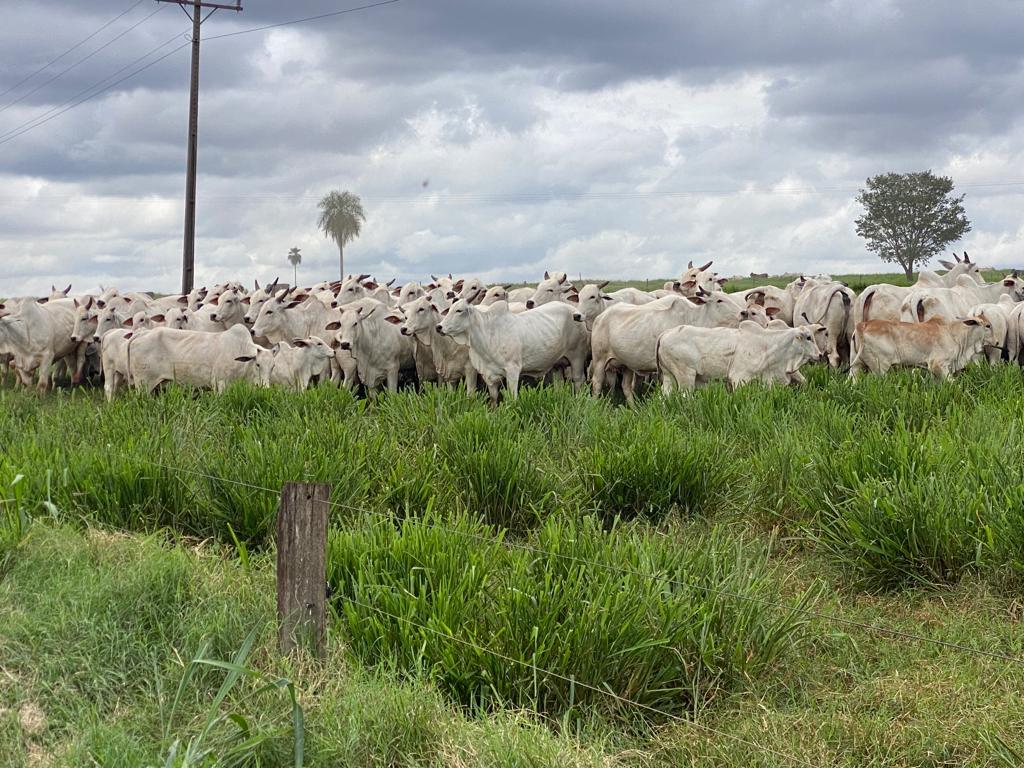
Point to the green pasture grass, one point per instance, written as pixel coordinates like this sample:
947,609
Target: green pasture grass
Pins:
97,629
898,479
615,611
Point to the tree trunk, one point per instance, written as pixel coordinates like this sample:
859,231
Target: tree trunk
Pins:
341,260
909,270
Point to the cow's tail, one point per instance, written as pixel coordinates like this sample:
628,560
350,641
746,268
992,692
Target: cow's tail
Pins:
869,294
128,361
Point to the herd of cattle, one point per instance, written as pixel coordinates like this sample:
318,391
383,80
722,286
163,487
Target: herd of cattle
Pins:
359,332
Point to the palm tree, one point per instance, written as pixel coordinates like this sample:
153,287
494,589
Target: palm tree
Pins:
295,258
341,218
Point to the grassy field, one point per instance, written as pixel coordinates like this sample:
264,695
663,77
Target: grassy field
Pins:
858,282
522,586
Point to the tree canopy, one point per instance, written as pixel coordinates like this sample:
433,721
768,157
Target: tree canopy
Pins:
910,217
341,219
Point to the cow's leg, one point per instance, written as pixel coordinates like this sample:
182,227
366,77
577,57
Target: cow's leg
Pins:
393,379
493,388
512,373
43,383
597,374
471,378
79,365
668,381
628,384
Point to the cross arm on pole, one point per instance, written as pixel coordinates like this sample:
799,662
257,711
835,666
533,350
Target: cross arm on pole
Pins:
202,4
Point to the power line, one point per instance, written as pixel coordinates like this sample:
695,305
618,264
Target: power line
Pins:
81,60
86,90
498,197
92,96
74,47
875,628
299,21
9,136
573,681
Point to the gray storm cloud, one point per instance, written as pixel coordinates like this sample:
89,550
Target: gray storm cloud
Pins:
600,137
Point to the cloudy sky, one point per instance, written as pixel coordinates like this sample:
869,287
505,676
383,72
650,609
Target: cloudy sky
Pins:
499,138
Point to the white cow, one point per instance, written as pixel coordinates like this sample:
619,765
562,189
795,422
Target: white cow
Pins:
448,359
255,301
286,317
36,336
632,296
625,337
997,315
696,280
294,365
372,334
942,347
550,289
505,345
114,359
219,313
195,358
592,301
828,303
688,356
923,303
883,301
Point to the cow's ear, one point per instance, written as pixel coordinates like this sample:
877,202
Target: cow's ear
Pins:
333,325
972,321
445,311
1008,283
370,285
43,300
458,285
573,297
244,301
129,335
946,264
697,300
245,358
300,342
130,322
689,284
293,304
608,298
393,319
771,311
158,318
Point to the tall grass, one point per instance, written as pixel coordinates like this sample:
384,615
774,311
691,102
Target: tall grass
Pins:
896,479
591,611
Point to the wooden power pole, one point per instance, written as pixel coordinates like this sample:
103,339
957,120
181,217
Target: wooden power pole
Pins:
188,253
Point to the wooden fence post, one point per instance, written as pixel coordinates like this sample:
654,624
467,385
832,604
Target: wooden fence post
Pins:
301,566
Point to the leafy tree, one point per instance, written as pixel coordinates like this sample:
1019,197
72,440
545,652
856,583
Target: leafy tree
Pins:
341,219
910,217
295,258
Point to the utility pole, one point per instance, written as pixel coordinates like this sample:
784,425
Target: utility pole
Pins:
188,253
